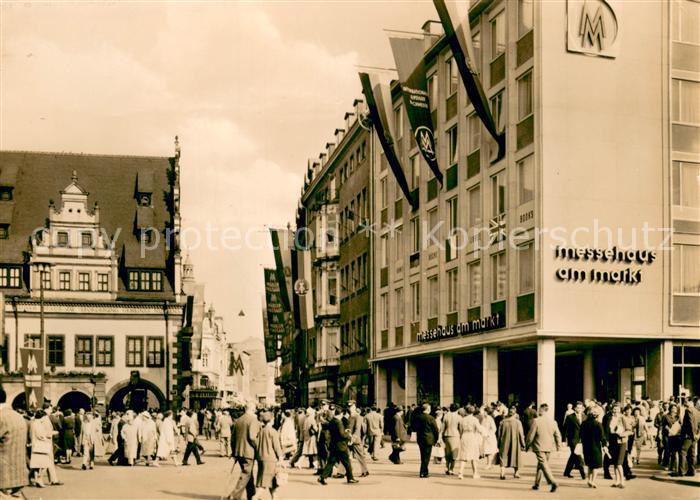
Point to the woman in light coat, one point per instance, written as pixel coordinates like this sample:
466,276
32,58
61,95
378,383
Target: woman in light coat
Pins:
130,435
471,437
288,434
311,429
148,438
490,442
167,439
42,433
91,437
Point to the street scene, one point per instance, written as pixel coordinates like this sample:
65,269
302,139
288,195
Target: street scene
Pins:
343,249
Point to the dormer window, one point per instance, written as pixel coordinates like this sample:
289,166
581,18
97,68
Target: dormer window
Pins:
147,236
145,199
6,193
62,239
146,281
4,231
10,277
86,240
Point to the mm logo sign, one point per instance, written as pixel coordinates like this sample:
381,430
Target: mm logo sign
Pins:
593,27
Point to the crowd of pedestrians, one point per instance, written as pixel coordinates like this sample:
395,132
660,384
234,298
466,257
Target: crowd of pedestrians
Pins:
341,441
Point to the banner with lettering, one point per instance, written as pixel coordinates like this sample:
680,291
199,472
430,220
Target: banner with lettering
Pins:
33,370
276,317
408,54
377,102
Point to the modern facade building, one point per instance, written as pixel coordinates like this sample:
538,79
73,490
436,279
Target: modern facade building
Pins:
90,269
529,278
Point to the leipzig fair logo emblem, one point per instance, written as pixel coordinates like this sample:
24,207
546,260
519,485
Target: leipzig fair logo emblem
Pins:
426,142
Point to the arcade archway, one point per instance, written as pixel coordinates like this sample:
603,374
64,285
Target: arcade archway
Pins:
138,396
75,400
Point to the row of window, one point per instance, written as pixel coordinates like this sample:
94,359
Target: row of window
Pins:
353,277
99,350
499,274
10,277
352,163
353,335
354,214
146,281
84,283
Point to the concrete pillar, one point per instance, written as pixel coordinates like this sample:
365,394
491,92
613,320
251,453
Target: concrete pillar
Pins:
546,354
667,369
588,375
411,394
447,379
380,386
490,374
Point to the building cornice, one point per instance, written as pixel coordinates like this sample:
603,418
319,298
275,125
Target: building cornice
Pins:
93,308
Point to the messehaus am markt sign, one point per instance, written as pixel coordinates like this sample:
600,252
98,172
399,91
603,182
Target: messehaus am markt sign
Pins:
493,322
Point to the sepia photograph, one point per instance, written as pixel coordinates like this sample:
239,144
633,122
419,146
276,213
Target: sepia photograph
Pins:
343,249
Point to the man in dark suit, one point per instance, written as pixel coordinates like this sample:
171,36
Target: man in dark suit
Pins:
427,435
244,442
572,433
529,415
398,436
690,432
339,438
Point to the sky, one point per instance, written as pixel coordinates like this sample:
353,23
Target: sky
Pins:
252,89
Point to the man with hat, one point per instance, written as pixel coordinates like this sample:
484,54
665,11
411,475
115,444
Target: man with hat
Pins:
339,438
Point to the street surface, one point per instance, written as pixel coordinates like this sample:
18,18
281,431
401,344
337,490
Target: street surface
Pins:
209,482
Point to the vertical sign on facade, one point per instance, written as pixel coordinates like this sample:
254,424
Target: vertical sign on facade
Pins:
276,317
33,370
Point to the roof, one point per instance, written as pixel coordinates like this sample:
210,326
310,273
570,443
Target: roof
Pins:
110,180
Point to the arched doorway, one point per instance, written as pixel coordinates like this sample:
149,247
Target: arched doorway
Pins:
138,397
75,400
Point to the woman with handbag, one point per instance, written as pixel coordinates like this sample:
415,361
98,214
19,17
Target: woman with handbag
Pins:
269,454
618,444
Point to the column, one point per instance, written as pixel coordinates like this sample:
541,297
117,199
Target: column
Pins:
588,375
447,379
490,374
546,353
380,386
411,394
666,369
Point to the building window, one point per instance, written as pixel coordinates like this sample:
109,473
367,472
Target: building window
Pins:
433,222
10,277
4,231
685,19
433,90
6,193
685,101
453,211
476,49
525,16
64,280
525,96
526,180
415,172
56,350
383,251
452,76
452,146
383,193
474,207
498,276
686,368
415,302
497,110
103,282
415,235
84,281
86,240
134,351
83,351
105,351
398,125
498,194
474,125
62,239
384,310
45,277
145,281
686,272
498,35
526,268
332,290
433,297
474,284
154,352
399,306
32,341
452,291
